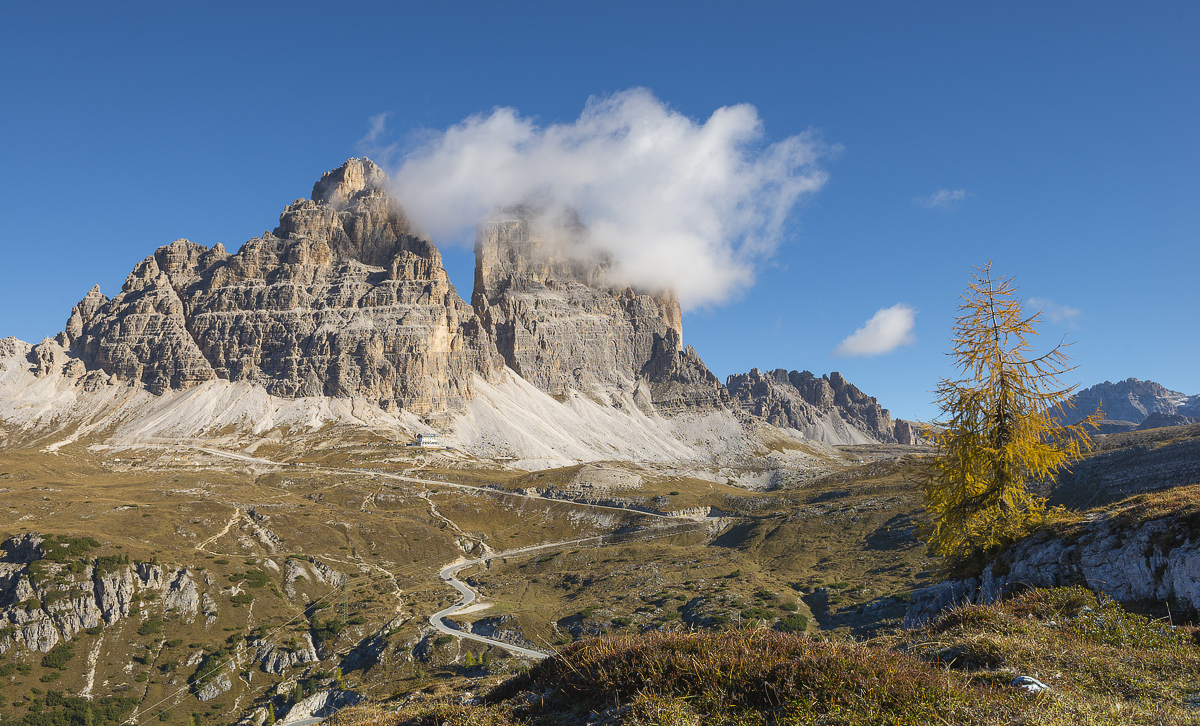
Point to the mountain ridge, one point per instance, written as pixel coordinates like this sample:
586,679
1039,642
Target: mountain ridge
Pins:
1126,405
342,300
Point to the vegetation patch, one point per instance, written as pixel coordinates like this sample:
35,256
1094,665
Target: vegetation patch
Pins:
1105,666
62,549
58,657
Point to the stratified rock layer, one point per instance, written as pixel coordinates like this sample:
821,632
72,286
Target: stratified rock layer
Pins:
828,408
1158,559
340,300
1130,400
560,323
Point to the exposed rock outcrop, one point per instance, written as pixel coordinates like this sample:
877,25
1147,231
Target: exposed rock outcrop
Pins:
828,408
501,627
1129,400
1159,420
1158,559
43,602
215,687
340,300
274,658
321,705
560,322
182,595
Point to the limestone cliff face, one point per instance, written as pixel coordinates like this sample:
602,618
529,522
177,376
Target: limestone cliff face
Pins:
1130,400
1158,559
560,323
340,300
828,408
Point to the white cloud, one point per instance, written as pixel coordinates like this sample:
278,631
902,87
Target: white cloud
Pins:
371,144
943,198
694,206
1052,311
887,330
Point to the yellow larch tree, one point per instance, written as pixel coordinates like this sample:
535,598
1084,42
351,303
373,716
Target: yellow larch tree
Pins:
998,432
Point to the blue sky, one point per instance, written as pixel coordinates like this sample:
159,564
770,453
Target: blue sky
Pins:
1070,130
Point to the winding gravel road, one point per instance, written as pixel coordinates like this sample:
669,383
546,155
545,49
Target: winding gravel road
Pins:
469,596
449,571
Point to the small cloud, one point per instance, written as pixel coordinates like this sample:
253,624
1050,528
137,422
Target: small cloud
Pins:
1055,313
887,330
943,198
370,145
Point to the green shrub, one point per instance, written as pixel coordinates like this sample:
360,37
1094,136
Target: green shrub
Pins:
329,629
58,657
63,548
256,578
794,623
109,563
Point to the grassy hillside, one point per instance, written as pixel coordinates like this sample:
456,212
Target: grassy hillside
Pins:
831,553
1102,665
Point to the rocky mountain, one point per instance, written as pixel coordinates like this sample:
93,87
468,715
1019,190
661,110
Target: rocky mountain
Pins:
340,300
342,310
1127,404
828,408
561,324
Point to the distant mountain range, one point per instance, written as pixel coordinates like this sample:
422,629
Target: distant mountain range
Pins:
1132,404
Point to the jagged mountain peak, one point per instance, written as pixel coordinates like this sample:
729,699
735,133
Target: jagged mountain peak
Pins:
354,177
1129,403
828,408
343,301
340,300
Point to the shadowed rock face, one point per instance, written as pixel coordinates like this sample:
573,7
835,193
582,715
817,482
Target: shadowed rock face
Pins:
822,407
562,325
340,300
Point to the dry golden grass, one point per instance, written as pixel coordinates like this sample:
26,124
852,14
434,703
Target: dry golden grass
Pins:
1105,666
